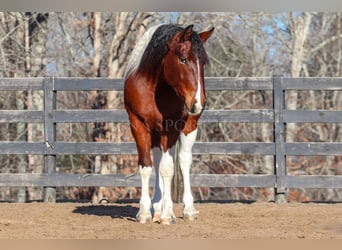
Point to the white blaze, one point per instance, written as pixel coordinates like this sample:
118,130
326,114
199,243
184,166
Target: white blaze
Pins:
198,104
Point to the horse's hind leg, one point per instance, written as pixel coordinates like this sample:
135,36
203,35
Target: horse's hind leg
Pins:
184,151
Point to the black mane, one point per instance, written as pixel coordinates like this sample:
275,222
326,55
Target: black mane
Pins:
157,48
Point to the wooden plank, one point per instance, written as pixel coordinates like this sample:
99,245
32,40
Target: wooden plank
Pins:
314,181
253,115
25,116
312,116
197,180
67,148
94,148
65,180
241,83
20,84
21,147
209,116
107,148
212,83
313,148
103,148
120,180
87,84
312,83
234,148
90,116
229,180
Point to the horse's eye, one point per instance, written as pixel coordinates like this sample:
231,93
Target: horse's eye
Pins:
183,60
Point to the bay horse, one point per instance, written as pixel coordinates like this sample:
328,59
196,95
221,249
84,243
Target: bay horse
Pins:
164,96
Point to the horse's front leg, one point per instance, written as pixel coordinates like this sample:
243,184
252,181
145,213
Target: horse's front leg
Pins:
144,214
143,142
185,159
163,205
166,171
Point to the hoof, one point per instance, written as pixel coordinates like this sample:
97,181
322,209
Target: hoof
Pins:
190,215
143,219
156,218
168,221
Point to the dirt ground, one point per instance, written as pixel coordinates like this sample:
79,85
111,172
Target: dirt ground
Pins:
260,220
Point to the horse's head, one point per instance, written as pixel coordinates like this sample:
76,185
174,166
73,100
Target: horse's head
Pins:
183,67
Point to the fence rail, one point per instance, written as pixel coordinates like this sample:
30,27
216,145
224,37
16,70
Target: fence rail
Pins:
278,116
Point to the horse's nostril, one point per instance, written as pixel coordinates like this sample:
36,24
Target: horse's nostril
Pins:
195,109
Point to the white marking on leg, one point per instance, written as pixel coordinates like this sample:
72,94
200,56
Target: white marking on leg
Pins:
144,214
185,159
166,170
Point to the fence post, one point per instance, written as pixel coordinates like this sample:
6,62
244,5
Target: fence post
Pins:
279,138
49,136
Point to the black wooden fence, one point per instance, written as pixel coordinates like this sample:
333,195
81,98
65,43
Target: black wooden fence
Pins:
278,116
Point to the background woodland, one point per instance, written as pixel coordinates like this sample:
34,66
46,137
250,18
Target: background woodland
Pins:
77,44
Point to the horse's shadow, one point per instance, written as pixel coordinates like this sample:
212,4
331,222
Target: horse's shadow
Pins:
127,212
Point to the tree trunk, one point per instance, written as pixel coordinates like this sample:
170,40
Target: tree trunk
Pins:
98,103
18,71
35,44
300,31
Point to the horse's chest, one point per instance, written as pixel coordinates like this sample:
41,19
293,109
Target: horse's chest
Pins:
168,103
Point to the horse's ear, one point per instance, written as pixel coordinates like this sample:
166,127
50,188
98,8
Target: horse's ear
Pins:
206,34
187,33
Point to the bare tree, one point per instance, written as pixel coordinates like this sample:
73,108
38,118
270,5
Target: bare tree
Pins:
23,55
35,41
78,44
128,28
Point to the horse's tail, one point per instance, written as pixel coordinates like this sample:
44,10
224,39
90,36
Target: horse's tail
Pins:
177,182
